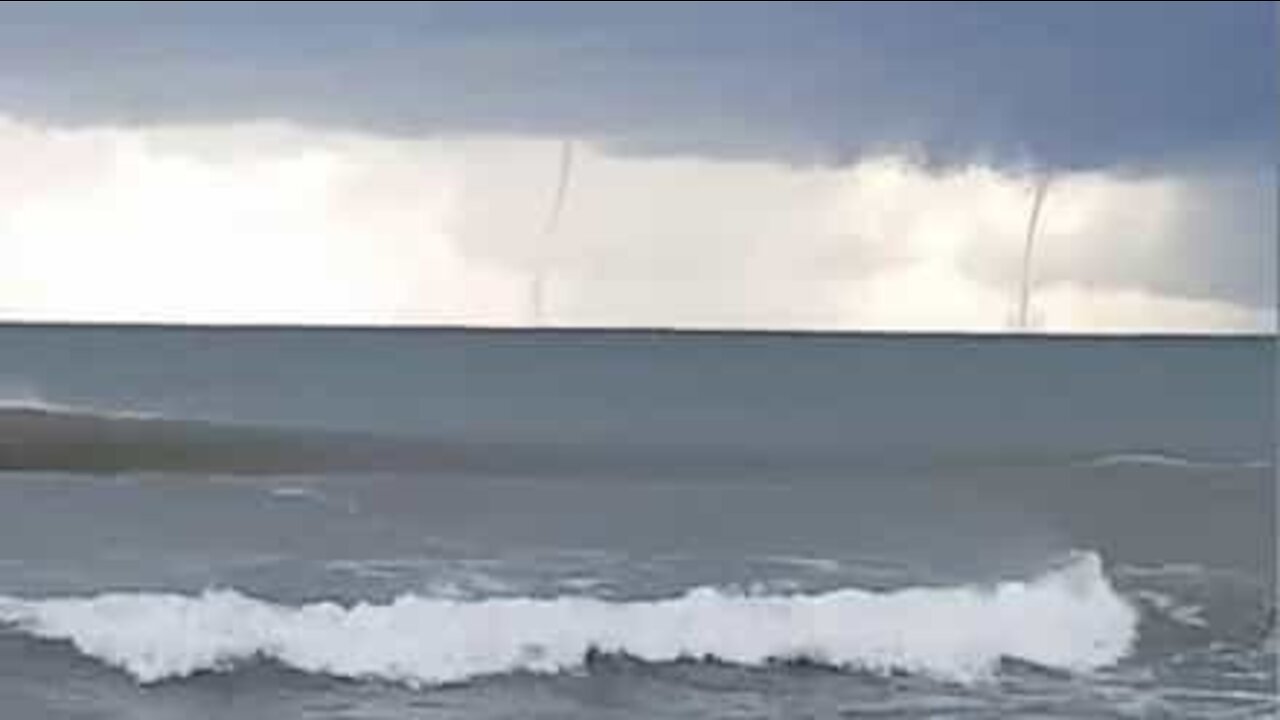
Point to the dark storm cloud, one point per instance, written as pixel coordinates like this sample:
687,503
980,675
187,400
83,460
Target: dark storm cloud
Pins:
1056,84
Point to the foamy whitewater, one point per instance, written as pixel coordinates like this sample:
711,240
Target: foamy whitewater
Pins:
1069,619
324,525
18,397
1174,461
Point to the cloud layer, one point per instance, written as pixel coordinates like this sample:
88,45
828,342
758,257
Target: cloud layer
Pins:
1073,85
277,222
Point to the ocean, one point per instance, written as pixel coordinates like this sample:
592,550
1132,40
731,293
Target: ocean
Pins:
437,523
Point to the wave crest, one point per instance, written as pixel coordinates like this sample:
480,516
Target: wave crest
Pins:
20,396
1167,460
1069,618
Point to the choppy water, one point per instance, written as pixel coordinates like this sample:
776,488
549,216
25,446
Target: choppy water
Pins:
341,524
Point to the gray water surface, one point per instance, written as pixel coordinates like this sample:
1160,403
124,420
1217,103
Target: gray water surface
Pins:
768,465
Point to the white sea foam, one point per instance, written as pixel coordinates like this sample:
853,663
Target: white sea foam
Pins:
297,492
1173,461
813,564
20,396
1069,618
1187,570
1167,605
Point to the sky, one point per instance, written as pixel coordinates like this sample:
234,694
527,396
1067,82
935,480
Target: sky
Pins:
819,166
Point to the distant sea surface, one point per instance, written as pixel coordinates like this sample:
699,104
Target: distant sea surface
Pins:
282,524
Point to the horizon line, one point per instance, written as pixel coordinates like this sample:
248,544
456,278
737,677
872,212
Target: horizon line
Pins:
640,330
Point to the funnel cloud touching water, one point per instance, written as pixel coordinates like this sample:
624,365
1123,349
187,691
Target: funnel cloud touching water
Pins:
771,165
278,223
638,360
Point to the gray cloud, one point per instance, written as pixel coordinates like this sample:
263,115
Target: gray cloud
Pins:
1057,84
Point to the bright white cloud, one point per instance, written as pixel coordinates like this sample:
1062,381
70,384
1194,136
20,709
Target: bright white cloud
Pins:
125,225
278,223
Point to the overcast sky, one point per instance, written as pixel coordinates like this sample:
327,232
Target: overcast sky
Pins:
823,165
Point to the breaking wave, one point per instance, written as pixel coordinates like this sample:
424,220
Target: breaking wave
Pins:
20,397
1067,618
